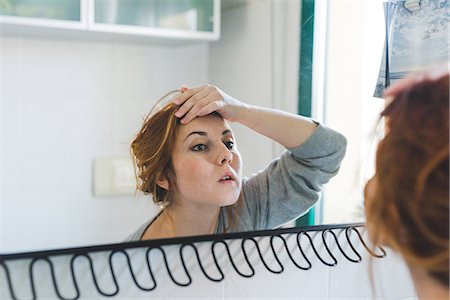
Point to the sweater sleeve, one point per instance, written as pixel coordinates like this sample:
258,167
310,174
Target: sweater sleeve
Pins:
291,184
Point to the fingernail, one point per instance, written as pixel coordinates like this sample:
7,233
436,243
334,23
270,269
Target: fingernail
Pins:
175,101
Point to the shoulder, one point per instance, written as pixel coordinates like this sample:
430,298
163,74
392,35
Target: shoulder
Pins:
139,233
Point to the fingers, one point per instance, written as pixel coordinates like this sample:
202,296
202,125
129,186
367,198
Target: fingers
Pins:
184,88
193,111
192,101
186,94
211,107
189,103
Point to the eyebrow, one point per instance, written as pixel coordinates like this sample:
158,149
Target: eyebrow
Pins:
203,133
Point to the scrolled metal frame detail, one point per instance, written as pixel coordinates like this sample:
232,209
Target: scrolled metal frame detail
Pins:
190,242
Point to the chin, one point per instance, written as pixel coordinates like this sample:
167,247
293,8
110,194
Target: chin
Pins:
229,201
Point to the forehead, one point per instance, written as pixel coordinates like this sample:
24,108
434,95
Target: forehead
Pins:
211,124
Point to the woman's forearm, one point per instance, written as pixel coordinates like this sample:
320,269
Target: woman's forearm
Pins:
288,129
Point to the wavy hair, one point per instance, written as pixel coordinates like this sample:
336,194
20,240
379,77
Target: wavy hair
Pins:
409,211
151,150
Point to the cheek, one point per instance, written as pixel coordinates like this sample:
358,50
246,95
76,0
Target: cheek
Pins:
190,171
369,204
369,194
237,162
366,193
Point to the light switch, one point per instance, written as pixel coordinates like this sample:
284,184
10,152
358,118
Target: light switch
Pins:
114,176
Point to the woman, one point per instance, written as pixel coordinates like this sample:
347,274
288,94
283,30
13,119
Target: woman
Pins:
187,159
407,201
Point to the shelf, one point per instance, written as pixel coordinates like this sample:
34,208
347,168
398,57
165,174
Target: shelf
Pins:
182,20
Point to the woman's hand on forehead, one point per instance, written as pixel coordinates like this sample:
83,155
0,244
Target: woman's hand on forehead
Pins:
202,101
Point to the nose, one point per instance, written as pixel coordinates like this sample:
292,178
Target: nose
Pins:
225,156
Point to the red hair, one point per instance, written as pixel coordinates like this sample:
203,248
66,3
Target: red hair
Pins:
409,210
152,152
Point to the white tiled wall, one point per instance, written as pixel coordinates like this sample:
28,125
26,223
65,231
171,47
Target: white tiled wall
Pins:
256,60
65,102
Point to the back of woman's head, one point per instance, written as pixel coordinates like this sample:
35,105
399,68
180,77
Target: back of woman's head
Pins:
409,210
152,149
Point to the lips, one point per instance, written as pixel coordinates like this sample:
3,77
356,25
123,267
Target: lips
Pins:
226,177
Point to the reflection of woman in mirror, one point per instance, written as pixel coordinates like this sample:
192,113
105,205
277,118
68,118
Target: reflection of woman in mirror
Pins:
407,201
187,158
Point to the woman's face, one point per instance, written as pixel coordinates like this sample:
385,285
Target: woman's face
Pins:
207,163
369,198
370,190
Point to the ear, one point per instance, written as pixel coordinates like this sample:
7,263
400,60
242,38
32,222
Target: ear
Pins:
162,182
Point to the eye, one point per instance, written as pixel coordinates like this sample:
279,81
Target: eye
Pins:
199,147
229,144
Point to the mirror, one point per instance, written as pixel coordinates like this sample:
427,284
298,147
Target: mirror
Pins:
73,102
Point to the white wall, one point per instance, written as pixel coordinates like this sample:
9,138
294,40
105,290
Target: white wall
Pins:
353,56
63,103
256,61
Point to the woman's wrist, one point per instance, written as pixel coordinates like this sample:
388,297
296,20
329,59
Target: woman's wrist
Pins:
247,115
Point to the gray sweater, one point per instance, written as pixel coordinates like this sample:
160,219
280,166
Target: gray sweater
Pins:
286,189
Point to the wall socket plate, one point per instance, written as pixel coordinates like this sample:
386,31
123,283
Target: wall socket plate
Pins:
114,176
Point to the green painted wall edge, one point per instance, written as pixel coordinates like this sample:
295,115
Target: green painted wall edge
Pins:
305,77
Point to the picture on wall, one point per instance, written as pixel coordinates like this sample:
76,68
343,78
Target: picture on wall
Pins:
416,37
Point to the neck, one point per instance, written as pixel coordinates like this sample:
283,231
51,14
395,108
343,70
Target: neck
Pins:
427,287
187,221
